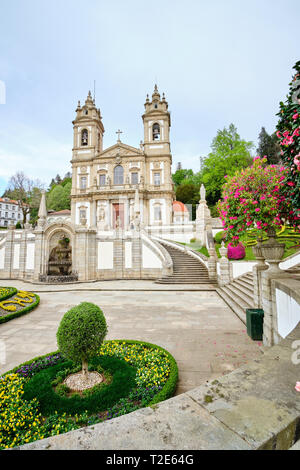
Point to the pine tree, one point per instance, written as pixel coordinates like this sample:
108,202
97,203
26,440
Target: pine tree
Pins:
268,147
288,133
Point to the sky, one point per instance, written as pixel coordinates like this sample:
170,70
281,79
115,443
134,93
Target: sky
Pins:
218,61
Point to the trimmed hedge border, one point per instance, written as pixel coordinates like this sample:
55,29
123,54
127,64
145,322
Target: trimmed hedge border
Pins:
40,387
10,294
19,313
166,392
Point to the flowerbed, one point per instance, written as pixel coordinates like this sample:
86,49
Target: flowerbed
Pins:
7,292
14,303
149,376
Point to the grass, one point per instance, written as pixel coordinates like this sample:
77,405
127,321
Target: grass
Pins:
284,235
103,396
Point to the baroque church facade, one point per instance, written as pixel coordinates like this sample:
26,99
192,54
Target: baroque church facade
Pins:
105,182
122,205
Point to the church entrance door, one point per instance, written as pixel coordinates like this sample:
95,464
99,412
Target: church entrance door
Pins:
118,215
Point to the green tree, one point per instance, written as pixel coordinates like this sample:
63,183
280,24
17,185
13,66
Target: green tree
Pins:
229,153
81,333
58,198
181,176
268,147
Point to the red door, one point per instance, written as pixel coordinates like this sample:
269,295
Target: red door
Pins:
118,215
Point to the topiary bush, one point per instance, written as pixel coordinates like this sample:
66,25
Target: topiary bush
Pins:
81,333
236,252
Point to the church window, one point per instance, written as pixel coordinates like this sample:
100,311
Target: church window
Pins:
84,137
157,213
118,174
157,179
134,178
83,182
102,180
156,131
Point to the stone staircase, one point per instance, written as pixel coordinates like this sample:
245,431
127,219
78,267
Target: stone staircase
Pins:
239,295
186,269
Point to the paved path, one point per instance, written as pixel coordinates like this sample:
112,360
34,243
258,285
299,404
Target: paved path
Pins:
205,337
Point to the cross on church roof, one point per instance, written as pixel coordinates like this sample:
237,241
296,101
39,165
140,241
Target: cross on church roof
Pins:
119,132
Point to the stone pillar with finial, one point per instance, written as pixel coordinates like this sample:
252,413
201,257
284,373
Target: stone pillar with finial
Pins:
225,274
40,261
203,217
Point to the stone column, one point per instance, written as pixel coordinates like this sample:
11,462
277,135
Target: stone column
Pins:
225,274
257,272
8,257
273,252
203,217
212,264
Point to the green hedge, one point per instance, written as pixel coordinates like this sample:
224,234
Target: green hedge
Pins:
12,291
169,387
103,396
19,313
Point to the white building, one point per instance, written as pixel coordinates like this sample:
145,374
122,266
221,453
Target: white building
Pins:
10,212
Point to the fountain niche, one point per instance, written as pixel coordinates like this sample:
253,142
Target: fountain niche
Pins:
60,263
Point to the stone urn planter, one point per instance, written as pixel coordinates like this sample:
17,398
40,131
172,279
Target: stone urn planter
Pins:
273,252
258,254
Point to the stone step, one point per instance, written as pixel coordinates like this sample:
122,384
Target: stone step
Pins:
244,288
246,281
245,284
239,295
186,269
235,307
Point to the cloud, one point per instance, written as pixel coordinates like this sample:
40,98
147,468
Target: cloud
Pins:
33,152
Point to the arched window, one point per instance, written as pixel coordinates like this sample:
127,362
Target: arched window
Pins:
156,131
118,175
84,137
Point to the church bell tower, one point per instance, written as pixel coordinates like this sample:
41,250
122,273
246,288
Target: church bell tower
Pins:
88,131
157,123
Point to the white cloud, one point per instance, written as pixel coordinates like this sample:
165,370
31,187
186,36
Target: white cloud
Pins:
34,153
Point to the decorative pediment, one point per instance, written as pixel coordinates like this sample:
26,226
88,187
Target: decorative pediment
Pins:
120,150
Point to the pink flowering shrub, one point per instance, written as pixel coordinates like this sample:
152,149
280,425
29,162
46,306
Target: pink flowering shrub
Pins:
236,252
253,198
288,133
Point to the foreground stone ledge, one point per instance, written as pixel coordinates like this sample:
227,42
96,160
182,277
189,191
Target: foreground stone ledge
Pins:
254,407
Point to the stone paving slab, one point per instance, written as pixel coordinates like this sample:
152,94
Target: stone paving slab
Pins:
198,328
113,285
254,407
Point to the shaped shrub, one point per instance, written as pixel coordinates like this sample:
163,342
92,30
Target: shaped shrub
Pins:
236,252
81,333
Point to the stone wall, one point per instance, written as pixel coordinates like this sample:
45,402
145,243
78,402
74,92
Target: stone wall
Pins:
24,254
